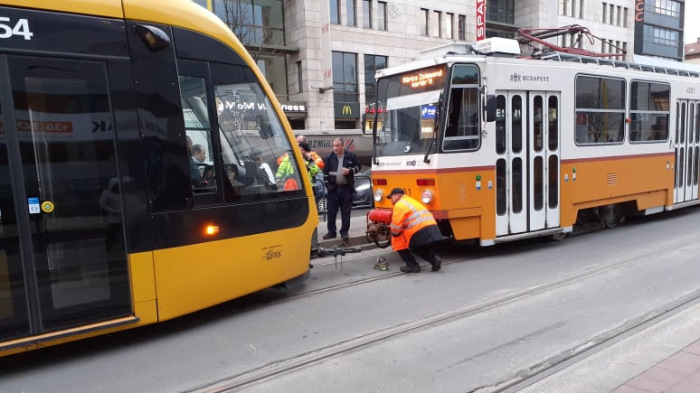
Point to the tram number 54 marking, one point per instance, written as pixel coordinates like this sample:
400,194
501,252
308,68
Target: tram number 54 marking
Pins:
21,28
691,90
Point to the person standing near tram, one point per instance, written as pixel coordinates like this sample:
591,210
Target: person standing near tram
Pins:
413,230
317,159
340,168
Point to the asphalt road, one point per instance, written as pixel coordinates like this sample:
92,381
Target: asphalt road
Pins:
491,316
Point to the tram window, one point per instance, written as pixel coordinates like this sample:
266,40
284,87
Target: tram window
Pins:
501,186
517,191
538,122
680,163
690,167
465,75
500,124
198,130
517,125
553,181
678,120
599,127
538,174
255,151
600,110
697,166
553,118
462,131
681,125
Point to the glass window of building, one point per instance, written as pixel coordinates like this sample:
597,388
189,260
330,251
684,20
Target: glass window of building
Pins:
372,64
424,16
300,77
345,77
462,28
258,23
203,3
605,13
352,20
255,22
381,15
275,70
502,11
334,6
661,36
449,25
437,31
367,14
665,7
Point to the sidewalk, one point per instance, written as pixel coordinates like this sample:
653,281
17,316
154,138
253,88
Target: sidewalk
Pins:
357,233
662,358
679,373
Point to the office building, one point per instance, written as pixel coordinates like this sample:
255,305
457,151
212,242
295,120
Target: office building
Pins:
320,56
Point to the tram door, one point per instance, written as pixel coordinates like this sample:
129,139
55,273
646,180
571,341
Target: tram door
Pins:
687,146
527,164
62,254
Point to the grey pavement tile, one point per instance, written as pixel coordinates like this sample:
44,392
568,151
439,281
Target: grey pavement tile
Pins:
664,375
682,362
628,389
647,384
693,348
683,387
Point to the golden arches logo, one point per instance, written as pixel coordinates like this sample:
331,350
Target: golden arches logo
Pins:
347,110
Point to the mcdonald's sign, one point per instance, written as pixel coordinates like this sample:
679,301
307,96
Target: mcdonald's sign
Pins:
347,110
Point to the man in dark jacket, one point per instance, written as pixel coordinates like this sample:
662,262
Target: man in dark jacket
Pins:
339,171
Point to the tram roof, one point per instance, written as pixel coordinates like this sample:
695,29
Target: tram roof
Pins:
179,13
641,63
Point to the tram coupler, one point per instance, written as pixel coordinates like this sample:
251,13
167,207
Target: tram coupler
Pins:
378,222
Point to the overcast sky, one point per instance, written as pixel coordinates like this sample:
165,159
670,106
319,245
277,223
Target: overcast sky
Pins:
692,22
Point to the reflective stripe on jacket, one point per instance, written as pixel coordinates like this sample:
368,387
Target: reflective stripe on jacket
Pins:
408,217
317,159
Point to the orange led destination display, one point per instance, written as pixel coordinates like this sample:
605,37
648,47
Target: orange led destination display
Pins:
423,78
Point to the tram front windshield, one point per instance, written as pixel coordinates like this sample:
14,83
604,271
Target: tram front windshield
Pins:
407,111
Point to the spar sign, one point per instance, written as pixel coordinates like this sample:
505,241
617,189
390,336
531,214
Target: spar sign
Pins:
480,19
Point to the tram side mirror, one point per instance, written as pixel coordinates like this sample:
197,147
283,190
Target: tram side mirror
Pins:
154,38
490,108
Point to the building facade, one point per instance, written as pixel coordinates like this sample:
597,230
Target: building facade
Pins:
320,56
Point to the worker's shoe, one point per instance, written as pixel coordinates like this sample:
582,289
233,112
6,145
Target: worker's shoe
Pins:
437,264
410,269
329,236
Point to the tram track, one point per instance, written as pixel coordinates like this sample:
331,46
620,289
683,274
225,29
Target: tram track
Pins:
518,380
556,364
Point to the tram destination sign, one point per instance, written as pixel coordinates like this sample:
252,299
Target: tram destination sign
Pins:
424,78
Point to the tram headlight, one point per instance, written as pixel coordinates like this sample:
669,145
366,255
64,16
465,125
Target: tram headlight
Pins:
378,195
426,197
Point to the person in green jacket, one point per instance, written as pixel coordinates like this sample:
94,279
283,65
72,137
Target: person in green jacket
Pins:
286,168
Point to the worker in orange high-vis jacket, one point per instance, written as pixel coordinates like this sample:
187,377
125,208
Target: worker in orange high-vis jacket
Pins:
317,159
413,230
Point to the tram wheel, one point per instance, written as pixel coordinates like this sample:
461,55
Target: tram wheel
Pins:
610,215
560,236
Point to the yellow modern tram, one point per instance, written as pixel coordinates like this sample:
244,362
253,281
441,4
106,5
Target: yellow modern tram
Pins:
501,147
136,143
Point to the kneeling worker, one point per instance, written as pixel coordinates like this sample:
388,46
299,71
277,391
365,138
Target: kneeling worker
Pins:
413,229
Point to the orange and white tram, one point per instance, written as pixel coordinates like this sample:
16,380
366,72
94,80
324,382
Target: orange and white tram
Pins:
501,148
